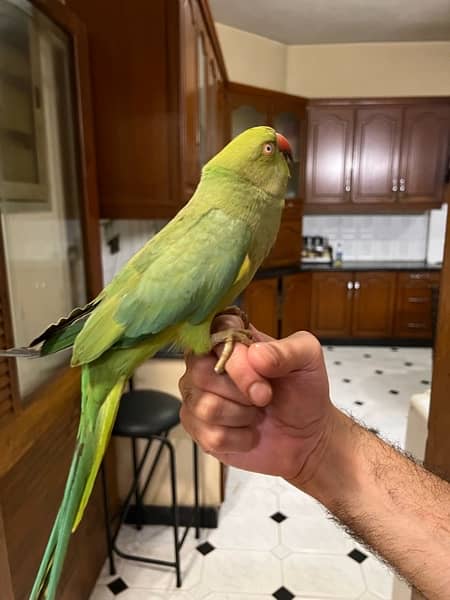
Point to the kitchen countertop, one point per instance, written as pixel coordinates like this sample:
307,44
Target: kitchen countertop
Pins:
356,265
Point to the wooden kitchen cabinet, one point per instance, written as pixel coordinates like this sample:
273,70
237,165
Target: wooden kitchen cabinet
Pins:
261,303
413,309
424,154
353,304
373,297
376,152
331,310
295,303
386,155
157,79
329,156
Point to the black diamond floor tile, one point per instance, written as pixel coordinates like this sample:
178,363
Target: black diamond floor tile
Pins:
345,380
357,555
367,355
278,517
379,372
373,430
283,594
408,364
394,349
359,403
117,586
205,548
330,348
395,392
337,362
425,382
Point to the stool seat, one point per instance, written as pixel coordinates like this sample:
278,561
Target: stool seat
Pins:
143,413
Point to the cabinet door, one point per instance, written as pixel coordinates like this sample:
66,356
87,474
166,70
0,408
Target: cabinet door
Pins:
373,304
260,302
246,108
295,303
329,155
414,309
424,154
376,155
331,304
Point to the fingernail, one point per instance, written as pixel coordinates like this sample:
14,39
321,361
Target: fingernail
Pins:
260,393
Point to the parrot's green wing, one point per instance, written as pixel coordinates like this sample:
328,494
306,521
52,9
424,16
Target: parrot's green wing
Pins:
187,273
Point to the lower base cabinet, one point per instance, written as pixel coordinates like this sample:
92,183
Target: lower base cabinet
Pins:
369,305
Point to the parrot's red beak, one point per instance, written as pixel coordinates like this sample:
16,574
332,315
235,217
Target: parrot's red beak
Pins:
284,146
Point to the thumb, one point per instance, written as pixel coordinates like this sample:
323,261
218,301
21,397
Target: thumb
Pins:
298,352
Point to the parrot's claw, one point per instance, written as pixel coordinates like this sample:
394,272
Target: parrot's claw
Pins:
228,337
236,310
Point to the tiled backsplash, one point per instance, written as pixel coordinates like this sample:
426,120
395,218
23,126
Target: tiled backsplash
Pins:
373,237
363,237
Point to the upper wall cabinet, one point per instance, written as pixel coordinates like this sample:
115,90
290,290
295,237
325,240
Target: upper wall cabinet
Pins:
157,79
373,156
250,106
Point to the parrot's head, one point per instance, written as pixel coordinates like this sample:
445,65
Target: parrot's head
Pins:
259,155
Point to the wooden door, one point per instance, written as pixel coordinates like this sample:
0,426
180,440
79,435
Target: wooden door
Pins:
413,310
260,302
295,303
373,304
376,155
331,303
329,155
247,107
424,154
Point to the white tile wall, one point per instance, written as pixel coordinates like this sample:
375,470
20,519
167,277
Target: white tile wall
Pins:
133,235
373,237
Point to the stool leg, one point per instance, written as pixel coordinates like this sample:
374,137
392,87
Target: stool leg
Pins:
109,543
137,493
174,508
196,494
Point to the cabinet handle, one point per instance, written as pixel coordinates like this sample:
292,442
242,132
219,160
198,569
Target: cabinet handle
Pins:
402,184
349,285
418,299
416,325
394,185
357,285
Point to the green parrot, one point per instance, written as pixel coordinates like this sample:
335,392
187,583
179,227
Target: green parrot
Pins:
167,294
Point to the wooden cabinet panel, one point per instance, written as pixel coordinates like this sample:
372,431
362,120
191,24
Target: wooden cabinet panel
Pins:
373,304
376,154
331,304
329,155
424,154
260,302
287,247
295,303
413,312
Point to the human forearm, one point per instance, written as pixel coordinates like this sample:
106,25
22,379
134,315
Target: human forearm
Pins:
395,506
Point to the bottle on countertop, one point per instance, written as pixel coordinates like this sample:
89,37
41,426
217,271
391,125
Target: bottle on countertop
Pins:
338,261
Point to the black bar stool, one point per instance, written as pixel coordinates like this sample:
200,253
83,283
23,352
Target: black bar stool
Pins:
149,414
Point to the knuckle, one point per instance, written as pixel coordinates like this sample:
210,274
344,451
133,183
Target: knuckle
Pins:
216,440
210,409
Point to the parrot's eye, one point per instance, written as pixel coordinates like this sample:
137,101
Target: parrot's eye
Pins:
268,149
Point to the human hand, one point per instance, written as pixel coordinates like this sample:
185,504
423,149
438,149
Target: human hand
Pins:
269,413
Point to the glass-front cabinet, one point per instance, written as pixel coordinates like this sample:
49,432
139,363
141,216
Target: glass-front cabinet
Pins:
41,228
251,107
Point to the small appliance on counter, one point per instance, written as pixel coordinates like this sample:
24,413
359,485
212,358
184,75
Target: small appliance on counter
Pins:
316,250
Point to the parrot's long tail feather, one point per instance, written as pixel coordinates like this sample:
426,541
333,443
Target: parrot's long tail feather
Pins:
99,409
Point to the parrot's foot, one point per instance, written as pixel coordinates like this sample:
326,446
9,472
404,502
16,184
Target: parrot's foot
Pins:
236,310
229,337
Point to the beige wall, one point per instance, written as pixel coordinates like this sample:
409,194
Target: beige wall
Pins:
252,59
397,69
328,70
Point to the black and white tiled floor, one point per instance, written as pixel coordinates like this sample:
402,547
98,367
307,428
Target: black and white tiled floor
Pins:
274,541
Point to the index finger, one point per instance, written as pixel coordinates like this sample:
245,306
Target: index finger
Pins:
238,368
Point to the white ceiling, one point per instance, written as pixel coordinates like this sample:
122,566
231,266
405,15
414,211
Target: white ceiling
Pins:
338,21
